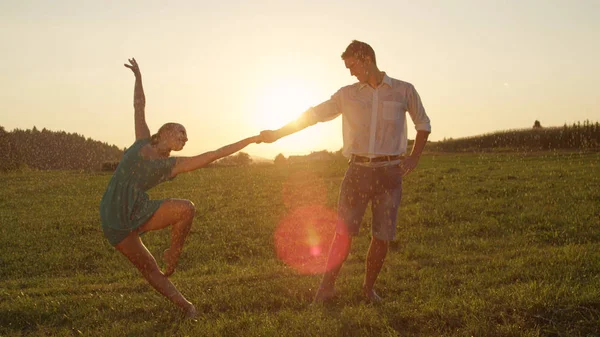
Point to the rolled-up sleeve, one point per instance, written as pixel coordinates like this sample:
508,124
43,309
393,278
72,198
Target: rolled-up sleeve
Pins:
325,111
417,111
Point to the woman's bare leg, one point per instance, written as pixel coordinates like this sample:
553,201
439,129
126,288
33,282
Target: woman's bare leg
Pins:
133,248
179,214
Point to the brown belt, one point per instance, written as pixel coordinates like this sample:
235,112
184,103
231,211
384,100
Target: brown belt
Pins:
360,159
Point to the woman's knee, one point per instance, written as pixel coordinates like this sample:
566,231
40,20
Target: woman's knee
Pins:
188,209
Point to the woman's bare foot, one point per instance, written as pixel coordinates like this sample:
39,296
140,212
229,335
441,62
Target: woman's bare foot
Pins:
190,311
170,264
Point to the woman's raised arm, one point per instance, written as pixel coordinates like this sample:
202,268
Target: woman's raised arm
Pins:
139,102
187,164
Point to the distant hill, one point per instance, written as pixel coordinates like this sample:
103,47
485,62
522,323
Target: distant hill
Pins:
261,160
58,150
579,136
53,150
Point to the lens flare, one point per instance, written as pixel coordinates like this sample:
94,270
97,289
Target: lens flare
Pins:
302,238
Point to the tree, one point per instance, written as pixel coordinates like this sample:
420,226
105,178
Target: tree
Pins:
537,125
242,159
50,150
7,153
280,159
239,159
339,154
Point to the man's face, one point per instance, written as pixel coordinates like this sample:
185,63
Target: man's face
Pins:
357,68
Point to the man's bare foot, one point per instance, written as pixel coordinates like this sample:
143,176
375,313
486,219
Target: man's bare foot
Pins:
371,296
324,295
170,264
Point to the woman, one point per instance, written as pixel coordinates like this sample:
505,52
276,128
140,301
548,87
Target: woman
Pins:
126,209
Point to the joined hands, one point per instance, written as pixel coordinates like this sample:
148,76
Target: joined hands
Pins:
268,136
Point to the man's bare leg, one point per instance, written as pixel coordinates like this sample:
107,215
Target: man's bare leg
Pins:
338,252
375,258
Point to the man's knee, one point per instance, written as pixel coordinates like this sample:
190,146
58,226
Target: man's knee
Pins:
379,243
341,244
343,237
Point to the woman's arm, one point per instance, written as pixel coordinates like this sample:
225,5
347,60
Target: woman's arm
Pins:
187,164
139,102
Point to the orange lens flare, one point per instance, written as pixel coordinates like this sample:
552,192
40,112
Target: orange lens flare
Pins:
302,239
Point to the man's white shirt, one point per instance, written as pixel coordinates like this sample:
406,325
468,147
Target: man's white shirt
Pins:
373,120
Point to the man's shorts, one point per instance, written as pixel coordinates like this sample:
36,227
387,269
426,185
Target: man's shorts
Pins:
380,185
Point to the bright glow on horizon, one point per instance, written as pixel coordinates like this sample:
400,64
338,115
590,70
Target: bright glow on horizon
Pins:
281,102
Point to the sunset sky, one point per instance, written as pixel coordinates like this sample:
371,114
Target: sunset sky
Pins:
229,69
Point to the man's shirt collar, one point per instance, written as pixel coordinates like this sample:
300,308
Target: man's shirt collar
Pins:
386,80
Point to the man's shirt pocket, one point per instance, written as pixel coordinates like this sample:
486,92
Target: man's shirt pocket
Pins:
392,110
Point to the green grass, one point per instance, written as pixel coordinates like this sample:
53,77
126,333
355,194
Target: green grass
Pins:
488,245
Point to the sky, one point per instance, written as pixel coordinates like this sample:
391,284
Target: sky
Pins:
229,69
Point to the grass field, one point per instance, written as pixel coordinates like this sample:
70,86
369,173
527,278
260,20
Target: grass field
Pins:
488,245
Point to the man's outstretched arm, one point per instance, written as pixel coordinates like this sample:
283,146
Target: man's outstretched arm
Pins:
323,112
270,136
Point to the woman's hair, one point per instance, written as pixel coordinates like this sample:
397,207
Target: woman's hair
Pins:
156,137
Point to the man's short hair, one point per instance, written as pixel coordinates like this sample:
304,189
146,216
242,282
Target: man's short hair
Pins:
360,50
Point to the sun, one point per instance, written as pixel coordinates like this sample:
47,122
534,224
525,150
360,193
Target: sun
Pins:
277,102
282,101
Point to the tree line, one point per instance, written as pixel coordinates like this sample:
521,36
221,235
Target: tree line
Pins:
59,150
578,136
238,159
53,150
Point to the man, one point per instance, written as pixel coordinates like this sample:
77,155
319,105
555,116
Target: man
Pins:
374,131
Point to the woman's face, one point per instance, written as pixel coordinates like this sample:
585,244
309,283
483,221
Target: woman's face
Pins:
176,137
